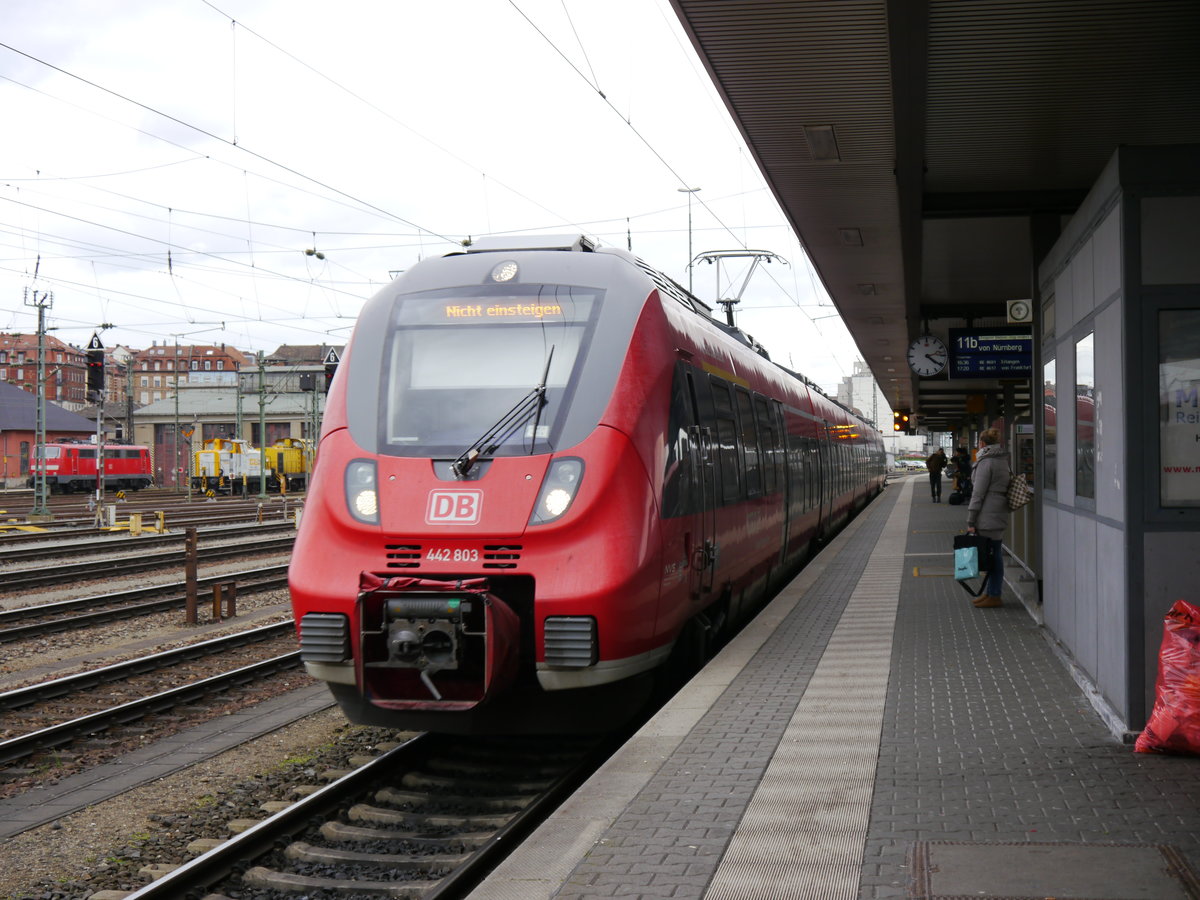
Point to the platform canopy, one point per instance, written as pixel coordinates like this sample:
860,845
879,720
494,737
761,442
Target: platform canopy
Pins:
927,152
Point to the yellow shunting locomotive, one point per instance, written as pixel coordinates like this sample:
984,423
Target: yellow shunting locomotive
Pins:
229,465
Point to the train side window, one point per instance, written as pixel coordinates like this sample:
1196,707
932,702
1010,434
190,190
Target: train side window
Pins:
726,440
846,473
680,487
749,435
779,426
768,436
806,457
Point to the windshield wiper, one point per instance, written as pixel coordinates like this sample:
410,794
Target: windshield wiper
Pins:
527,407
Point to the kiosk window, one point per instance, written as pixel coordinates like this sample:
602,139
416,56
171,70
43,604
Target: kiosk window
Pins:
1085,418
1179,407
1050,426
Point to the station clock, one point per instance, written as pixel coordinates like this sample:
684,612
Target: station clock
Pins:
927,355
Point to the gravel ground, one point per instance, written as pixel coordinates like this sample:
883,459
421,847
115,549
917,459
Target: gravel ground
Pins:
103,847
107,584
62,654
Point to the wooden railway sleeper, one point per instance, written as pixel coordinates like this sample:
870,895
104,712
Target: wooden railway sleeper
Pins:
304,852
374,815
267,879
344,833
417,799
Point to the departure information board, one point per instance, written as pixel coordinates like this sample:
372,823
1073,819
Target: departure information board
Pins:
1005,351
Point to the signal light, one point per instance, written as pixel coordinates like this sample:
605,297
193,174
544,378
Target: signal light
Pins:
902,421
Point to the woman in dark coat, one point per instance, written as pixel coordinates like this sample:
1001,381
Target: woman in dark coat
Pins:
987,514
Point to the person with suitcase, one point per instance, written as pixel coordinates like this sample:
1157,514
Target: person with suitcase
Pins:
962,477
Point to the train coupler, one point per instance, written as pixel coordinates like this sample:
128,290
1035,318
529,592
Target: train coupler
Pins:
455,630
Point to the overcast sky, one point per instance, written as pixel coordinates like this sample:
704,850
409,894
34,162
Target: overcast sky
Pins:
170,162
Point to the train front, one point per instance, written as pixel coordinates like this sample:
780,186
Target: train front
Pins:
479,548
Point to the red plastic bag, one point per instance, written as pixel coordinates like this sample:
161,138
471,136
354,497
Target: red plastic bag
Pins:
1174,725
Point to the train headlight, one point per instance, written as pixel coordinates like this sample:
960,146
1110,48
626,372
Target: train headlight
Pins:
558,490
362,496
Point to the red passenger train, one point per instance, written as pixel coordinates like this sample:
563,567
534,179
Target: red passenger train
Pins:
71,466
547,477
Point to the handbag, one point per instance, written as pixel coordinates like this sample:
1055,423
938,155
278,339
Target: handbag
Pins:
972,548
966,563
1019,492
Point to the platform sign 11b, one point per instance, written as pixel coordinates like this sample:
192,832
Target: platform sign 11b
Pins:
1004,351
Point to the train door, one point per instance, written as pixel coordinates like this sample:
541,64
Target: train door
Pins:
703,553
785,478
825,475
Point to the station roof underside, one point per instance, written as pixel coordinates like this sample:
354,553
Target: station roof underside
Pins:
927,152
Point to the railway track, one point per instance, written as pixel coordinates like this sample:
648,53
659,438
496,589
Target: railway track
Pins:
77,518
48,737
82,612
427,819
68,684
97,540
24,579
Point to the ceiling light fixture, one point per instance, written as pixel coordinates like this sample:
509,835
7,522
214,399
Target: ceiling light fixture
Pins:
822,143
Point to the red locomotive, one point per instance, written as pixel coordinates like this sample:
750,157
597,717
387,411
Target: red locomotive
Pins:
71,466
546,477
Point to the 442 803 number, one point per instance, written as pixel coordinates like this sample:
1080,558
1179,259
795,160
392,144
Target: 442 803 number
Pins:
451,554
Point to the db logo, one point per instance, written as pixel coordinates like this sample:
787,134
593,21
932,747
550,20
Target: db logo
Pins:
454,507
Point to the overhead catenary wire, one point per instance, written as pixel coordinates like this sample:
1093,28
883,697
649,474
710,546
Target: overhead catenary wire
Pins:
629,124
421,232
259,254
215,137
376,108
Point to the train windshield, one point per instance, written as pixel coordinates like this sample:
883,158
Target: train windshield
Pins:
460,361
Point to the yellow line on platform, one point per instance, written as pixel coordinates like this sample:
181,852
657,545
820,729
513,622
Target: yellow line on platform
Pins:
933,574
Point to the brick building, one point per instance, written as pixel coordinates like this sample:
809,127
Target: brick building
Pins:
156,369
66,368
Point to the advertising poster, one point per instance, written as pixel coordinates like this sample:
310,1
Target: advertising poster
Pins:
1179,405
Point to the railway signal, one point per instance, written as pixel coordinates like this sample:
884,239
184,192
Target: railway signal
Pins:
95,367
331,363
901,421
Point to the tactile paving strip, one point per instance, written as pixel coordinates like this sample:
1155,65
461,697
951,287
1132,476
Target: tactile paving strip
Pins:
804,830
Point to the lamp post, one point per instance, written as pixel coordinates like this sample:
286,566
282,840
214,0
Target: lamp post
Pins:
689,192
178,469
41,509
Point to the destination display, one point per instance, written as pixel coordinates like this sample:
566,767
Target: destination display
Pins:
1005,351
562,305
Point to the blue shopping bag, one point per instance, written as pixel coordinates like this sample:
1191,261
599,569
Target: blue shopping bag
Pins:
966,563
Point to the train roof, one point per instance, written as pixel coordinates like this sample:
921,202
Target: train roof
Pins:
667,286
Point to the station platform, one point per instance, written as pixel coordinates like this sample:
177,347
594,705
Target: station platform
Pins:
871,734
